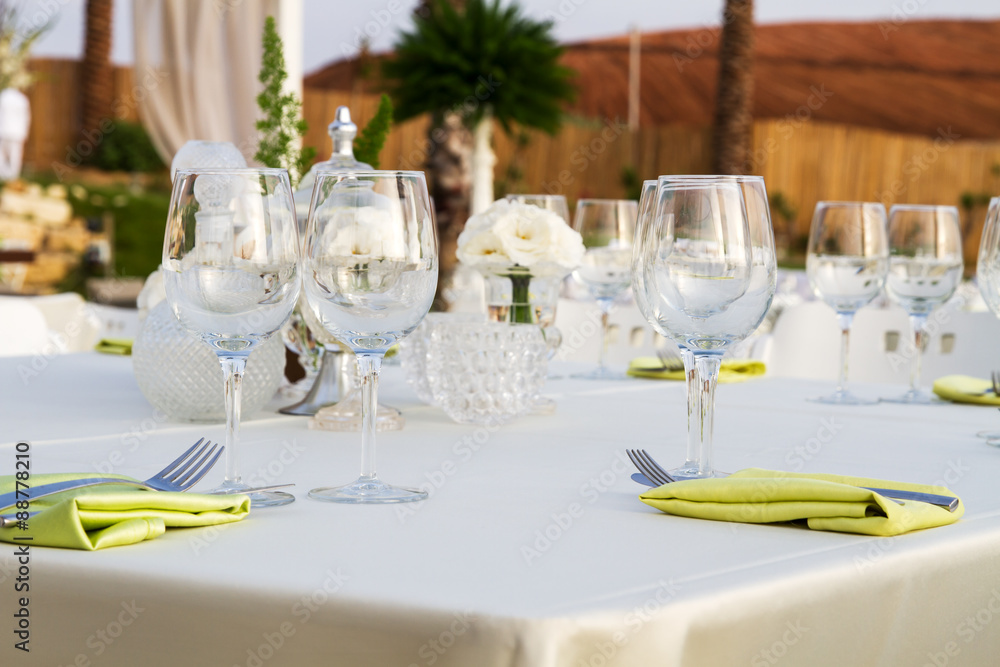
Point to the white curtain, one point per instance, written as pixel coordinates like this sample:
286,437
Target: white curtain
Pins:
196,65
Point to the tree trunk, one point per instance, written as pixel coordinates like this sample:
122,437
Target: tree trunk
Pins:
483,159
96,73
449,169
734,94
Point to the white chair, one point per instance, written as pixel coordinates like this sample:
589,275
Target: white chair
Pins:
805,343
629,335
23,330
71,323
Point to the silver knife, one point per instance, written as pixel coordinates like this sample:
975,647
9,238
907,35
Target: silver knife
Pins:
948,502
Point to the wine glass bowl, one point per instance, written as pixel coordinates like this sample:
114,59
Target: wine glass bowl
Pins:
925,269
370,271
230,258
847,263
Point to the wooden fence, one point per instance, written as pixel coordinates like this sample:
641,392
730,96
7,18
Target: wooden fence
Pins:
802,160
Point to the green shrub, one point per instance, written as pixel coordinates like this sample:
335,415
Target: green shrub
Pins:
126,147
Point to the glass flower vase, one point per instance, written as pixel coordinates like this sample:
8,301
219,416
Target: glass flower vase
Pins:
519,296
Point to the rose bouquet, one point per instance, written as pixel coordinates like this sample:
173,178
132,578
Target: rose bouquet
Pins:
519,241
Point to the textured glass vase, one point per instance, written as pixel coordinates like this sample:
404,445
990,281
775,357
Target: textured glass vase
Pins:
180,375
487,372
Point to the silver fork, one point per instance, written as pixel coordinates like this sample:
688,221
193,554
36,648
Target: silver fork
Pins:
670,359
995,377
648,467
655,473
180,475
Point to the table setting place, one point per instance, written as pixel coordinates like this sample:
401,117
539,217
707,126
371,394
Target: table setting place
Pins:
349,282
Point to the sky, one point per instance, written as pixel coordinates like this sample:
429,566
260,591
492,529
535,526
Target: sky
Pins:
333,28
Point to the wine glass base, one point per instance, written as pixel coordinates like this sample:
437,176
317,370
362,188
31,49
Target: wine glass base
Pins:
692,472
843,398
994,442
989,435
346,416
915,397
600,373
367,491
258,498
542,405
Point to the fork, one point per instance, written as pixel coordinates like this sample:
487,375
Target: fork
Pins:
995,377
655,473
180,475
670,359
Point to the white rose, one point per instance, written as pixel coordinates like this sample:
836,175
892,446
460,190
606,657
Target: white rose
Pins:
525,234
363,232
568,248
514,233
480,248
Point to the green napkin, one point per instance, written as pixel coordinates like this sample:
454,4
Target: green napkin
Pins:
737,370
112,515
121,346
825,502
966,389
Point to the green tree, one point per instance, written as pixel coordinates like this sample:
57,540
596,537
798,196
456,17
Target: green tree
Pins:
369,142
282,126
467,66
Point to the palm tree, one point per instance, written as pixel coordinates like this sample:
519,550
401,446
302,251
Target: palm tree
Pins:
467,66
96,75
734,93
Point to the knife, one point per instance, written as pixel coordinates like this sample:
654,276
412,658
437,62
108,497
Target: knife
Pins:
948,502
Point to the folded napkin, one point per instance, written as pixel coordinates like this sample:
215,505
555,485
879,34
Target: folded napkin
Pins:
114,346
825,502
966,389
737,370
112,515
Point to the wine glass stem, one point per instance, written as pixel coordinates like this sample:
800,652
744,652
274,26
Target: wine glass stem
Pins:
917,322
693,418
370,365
233,368
845,320
605,305
708,375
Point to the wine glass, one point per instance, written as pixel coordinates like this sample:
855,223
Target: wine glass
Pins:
370,264
925,268
847,262
988,277
607,227
745,313
230,257
555,203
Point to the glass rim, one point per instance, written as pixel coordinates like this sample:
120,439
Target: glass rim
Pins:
327,173
237,171
923,207
846,203
722,178
597,200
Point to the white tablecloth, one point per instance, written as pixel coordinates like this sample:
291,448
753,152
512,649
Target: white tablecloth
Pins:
532,550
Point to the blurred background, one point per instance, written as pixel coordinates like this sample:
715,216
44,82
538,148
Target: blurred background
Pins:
876,101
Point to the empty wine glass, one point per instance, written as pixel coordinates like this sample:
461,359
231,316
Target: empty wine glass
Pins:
988,277
847,262
925,268
607,227
744,314
230,257
555,203
370,264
